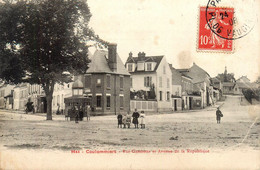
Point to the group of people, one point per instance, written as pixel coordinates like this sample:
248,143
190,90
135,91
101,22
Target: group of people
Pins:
78,112
125,120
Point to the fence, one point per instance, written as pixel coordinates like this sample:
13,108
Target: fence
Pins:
143,105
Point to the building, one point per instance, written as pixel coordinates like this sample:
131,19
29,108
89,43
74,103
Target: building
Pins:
6,96
151,72
60,92
176,89
202,81
107,83
20,96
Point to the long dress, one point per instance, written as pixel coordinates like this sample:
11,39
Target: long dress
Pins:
135,117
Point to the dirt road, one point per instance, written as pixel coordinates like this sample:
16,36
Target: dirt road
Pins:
195,131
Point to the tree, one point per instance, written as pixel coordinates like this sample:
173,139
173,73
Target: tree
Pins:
151,93
40,41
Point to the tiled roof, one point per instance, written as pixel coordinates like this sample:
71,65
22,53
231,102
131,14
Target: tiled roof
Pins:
197,73
156,59
99,64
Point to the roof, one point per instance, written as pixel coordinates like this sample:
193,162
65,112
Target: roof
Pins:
77,84
99,64
243,78
156,59
197,73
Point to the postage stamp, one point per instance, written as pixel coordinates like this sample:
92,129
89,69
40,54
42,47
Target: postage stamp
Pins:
216,29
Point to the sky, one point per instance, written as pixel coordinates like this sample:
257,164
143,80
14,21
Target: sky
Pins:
170,28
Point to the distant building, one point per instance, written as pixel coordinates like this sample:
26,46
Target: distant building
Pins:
20,96
60,92
202,81
176,89
107,83
147,71
6,96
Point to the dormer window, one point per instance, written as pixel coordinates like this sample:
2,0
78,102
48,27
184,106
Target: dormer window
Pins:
149,66
140,66
130,67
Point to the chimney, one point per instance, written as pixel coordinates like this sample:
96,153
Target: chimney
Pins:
112,58
130,55
141,56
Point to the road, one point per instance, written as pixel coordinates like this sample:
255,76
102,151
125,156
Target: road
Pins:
238,132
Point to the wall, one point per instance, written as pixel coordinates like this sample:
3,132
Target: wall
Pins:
164,105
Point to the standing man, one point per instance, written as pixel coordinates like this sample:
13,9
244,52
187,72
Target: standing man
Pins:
135,118
218,115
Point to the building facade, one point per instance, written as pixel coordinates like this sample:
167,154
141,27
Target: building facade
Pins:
107,83
151,71
6,96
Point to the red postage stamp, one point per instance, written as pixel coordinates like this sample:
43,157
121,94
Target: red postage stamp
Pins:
216,29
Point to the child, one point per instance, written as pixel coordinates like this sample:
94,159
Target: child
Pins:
142,122
128,120
124,120
119,119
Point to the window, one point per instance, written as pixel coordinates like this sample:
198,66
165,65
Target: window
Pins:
160,95
98,82
147,81
168,83
98,101
87,81
160,81
140,66
131,82
164,70
108,81
168,96
121,102
130,67
121,82
108,101
149,67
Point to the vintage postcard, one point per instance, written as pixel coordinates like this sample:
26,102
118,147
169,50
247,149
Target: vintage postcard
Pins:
129,84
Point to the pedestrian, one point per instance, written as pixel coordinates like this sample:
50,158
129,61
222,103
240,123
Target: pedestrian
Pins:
135,118
76,112
119,120
218,115
128,120
142,120
88,112
124,120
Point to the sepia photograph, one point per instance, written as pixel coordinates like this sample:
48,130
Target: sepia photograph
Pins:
129,84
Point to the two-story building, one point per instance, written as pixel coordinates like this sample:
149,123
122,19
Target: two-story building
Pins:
107,83
147,71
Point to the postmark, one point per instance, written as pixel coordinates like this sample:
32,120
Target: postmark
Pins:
242,19
211,31
223,21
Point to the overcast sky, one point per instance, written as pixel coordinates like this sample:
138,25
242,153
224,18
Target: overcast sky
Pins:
170,28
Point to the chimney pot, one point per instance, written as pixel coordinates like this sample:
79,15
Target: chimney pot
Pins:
112,56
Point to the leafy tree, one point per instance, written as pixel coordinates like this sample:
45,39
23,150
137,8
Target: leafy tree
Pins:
40,41
152,94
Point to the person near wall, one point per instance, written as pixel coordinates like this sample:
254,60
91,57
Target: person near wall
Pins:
135,118
119,120
218,115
